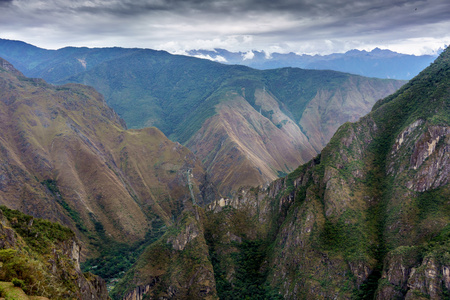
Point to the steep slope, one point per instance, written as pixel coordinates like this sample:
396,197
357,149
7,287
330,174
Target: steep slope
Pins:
200,90
55,65
242,147
67,157
43,259
254,137
177,266
184,97
369,217
280,98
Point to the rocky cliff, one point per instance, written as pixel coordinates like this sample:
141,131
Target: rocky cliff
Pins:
177,266
44,256
368,217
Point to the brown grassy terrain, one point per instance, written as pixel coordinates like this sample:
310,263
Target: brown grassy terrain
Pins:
66,156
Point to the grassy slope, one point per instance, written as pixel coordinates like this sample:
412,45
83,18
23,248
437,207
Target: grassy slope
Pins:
67,158
356,212
179,94
369,216
9,291
37,256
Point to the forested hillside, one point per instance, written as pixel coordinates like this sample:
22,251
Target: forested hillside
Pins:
368,217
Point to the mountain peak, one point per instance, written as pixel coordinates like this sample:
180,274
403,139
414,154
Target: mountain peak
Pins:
7,66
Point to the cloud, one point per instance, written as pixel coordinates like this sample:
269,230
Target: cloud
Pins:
216,58
248,55
237,25
5,3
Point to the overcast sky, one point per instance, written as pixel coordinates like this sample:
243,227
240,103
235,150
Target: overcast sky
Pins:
301,26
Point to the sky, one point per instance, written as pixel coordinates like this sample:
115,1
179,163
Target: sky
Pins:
300,26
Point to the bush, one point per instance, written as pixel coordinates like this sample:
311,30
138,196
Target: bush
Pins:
18,282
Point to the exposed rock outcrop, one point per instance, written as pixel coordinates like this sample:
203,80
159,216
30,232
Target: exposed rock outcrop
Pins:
177,266
48,256
408,275
366,218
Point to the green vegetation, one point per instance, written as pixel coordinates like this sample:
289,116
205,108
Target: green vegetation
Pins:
295,88
157,253
9,291
39,234
18,282
433,204
148,85
52,186
250,280
116,258
38,247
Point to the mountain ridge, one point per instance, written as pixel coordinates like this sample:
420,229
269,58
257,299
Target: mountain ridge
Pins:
181,95
67,157
367,218
380,63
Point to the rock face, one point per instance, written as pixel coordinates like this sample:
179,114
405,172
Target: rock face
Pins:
66,156
138,293
368,217
47,256
409,276
177,266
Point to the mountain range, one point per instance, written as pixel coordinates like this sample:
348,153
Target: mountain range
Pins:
365,214
368,218
376,63
247,126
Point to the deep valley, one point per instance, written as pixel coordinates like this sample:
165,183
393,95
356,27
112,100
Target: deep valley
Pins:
174,177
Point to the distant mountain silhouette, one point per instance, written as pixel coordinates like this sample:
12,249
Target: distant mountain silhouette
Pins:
376,63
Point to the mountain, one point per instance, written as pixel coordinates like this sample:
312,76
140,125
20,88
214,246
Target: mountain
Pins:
42,259
247,126
177,266
366,218
237,120
376,63
66,156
